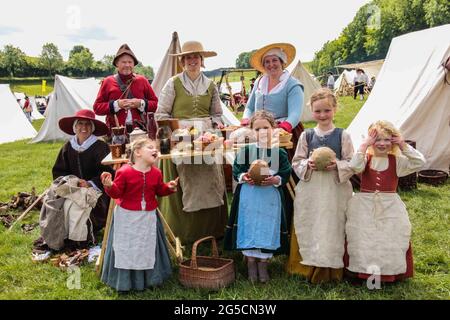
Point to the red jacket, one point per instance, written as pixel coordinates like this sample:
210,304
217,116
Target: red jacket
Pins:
26,105
110,92
128,186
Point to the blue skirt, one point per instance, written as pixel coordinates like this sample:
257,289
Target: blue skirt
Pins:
126,280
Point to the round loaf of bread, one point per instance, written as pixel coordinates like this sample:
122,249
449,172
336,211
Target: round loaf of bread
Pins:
322,157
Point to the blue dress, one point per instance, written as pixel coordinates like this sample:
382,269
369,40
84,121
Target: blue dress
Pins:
257,218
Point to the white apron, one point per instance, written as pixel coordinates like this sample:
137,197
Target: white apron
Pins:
319,219
378,233
134,240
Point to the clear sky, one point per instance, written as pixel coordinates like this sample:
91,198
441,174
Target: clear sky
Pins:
228,27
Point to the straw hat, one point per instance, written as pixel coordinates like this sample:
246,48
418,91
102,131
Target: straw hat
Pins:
66,123
287,48
194,47
125,49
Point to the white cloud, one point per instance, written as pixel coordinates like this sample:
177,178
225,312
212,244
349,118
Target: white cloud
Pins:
88,34
4,30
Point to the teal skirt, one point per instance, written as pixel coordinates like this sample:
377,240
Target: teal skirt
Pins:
126,280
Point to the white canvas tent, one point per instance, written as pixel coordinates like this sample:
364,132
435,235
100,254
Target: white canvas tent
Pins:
411,93
14,125
69,96
35,114
344,79
371,67
344,83
170,66
309,84
19,95
50,95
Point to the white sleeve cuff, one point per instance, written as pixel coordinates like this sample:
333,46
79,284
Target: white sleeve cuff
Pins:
279,183
241,178
116,106
142,107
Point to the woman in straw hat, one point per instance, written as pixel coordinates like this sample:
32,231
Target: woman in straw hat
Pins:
81,156
276,90
200,208
126,95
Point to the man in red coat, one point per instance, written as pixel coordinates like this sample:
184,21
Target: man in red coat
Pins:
127,95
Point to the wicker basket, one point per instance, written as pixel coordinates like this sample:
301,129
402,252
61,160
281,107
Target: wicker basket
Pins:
433,177
206,272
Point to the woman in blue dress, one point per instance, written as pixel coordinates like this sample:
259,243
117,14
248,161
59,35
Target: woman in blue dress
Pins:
281,94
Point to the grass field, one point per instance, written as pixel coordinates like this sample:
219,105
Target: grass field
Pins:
25,165
33,89
30,86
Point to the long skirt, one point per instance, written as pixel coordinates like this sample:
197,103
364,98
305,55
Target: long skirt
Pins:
319,229
190,226
126,280
289,204
387,278
100,212
378,236
312,274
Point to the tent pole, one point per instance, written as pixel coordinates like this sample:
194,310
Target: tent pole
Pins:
173,50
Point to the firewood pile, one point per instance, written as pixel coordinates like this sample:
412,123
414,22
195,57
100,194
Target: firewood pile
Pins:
66,260
7,219
19,202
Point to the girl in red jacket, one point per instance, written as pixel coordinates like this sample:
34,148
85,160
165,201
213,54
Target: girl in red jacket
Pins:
136,256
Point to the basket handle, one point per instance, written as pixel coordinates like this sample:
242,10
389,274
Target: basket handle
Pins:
215,253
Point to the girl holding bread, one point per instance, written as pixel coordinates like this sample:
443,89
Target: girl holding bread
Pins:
257,223
321,162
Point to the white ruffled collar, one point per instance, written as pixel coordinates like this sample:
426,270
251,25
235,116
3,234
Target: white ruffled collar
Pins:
263,84
85,145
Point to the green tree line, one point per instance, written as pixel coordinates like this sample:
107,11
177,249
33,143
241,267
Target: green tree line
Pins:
81,63
243,60
370,33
